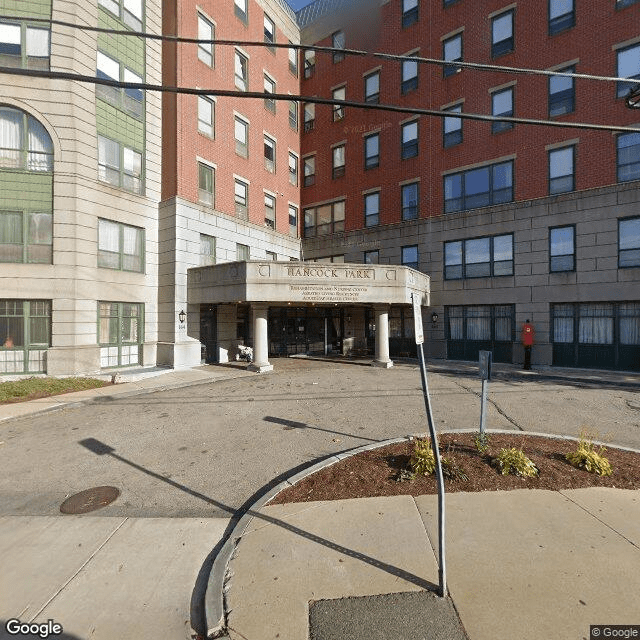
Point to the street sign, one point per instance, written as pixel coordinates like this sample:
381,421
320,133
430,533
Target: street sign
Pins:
417,318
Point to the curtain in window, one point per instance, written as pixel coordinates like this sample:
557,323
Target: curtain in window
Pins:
132,257
503,323
478,323
596,324
456,323
40,147
37,42
630,323
563,323
11,122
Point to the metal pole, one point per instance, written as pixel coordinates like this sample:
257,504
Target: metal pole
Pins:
483,406
442,570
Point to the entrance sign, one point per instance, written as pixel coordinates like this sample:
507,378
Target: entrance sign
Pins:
442,569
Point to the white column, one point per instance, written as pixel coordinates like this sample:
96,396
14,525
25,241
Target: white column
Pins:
382,337
260,364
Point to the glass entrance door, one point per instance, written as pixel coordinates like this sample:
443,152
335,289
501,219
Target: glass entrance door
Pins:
208,333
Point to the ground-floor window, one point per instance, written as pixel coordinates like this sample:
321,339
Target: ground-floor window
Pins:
120,333
402,342
603,335
480,328
25,335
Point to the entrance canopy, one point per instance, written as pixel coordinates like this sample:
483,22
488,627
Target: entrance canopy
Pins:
306,282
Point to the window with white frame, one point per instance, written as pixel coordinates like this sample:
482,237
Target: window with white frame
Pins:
409,75
206,184
206,116
309,169
309,63
293,220
207,250
338,167
372,209
338,42
338,110
293,60
24,45
372,87
206,31
372,151
242,137
241,65
241,199
562,170
269,154
293,169
241,9
270,210
128,11
242,252
293,115
309,116
118,165
269,32
502,105
120,246
409,132
120,333
269,87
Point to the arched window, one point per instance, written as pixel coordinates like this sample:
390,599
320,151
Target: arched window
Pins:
24,142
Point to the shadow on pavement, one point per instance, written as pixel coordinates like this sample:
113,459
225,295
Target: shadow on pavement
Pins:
292,424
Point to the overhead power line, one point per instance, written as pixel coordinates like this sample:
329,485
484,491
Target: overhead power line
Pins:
64,75
352,52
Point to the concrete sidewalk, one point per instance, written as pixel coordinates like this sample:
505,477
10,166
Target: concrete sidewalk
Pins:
520,564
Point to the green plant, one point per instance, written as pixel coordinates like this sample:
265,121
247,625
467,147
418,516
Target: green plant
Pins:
514,461
482,442
586,457
451,470
423,460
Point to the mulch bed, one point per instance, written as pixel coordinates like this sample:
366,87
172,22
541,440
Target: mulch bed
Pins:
378,472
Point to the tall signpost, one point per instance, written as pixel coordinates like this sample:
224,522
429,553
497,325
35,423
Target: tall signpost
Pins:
419,334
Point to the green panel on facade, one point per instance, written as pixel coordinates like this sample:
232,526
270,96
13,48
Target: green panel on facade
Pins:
34,8
26,191
117,125
125,49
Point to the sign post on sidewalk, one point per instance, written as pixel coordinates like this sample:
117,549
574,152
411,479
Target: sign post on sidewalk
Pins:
485,375
419,334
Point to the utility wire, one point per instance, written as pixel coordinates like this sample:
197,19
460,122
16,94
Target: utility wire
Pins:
64,75
352,52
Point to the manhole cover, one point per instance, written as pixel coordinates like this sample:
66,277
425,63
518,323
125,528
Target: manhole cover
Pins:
89,500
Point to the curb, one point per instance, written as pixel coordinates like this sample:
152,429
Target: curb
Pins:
214,608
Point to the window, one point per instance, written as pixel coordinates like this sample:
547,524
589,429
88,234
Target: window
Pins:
409,147
269,87
293,61
409,12
410,256
561,16
502,105
206,31
24,46
325,219
562,93
409,193
293,169
241,10
309,116
466,326
269,154
478,257
409,75
206,184
293,221
338,167
128,11
338,109
309,63
241,71
452,128
621,4
120,246
372,151
371,257
481,187
561,170
502,34
628,156
128,100
269,32
293,114
371,209
372,88
338,42
26,236
120,333
242,137
206,116
562,249
452,52
629,242
242,199
309,171
25,334
628,66
269,211
25,144
242,252
271,255
119,166
207,250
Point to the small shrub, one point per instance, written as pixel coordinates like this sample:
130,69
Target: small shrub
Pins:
423,460
452,471
586,457
515,461
482,442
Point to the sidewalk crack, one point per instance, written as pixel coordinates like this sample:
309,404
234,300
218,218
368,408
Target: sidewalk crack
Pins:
433,548
593,515
494,403
84,564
